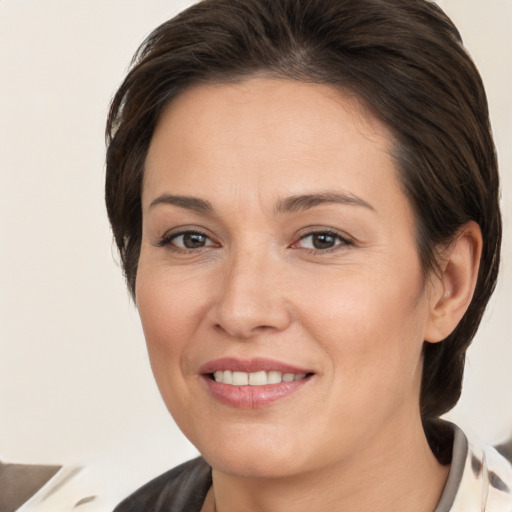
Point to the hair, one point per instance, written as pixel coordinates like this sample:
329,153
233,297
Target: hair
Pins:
404,59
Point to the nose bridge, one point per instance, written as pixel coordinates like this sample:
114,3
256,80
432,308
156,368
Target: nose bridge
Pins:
251,297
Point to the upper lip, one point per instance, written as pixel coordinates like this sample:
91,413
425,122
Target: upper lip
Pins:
250,365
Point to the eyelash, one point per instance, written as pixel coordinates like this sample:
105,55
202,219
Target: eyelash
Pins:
340,241
168,239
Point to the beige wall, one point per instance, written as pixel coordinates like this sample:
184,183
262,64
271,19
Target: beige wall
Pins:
75,383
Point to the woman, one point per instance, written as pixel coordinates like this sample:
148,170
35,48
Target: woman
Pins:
304,194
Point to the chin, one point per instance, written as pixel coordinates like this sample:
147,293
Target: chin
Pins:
254,465
254,455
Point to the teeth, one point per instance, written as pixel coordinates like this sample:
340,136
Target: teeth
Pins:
256,378
226,377
240,379
274,377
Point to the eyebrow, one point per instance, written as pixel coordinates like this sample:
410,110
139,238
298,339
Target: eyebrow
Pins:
307,201
190,203
287,205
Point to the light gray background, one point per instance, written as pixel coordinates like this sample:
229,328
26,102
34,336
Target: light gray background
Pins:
75,384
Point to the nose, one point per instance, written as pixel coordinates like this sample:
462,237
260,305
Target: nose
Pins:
251,298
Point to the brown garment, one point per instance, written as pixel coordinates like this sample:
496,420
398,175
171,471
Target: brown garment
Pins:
19,482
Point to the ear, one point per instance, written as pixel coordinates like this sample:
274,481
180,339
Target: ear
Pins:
453,289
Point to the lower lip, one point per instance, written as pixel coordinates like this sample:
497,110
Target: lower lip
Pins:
252,397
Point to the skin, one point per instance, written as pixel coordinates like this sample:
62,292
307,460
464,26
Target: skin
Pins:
355,313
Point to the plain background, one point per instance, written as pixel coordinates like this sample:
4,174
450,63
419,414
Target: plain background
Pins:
75,383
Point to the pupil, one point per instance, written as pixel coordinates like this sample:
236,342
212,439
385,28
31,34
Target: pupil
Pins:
323,241
193,240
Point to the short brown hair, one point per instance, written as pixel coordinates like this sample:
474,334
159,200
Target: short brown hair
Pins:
403,58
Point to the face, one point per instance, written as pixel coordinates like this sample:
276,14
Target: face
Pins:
279,284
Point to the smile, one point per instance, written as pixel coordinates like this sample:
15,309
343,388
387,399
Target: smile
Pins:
254,383
260,378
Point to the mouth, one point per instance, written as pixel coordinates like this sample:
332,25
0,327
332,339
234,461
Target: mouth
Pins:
259,378
251,384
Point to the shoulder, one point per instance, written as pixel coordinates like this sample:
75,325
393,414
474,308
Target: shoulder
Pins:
499,474
182,488
486,482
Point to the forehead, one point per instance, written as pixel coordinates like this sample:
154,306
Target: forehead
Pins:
299,109
262,134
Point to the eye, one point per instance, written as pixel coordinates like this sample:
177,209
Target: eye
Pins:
321,240
187,240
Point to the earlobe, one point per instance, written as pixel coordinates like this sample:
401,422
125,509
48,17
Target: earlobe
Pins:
453,289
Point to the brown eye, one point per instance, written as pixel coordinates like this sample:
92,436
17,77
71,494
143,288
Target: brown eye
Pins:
193,240
322,241
187,240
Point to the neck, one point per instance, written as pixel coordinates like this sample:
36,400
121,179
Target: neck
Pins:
395,472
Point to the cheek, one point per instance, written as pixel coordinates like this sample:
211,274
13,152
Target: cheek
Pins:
169,310
372,327
168,301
